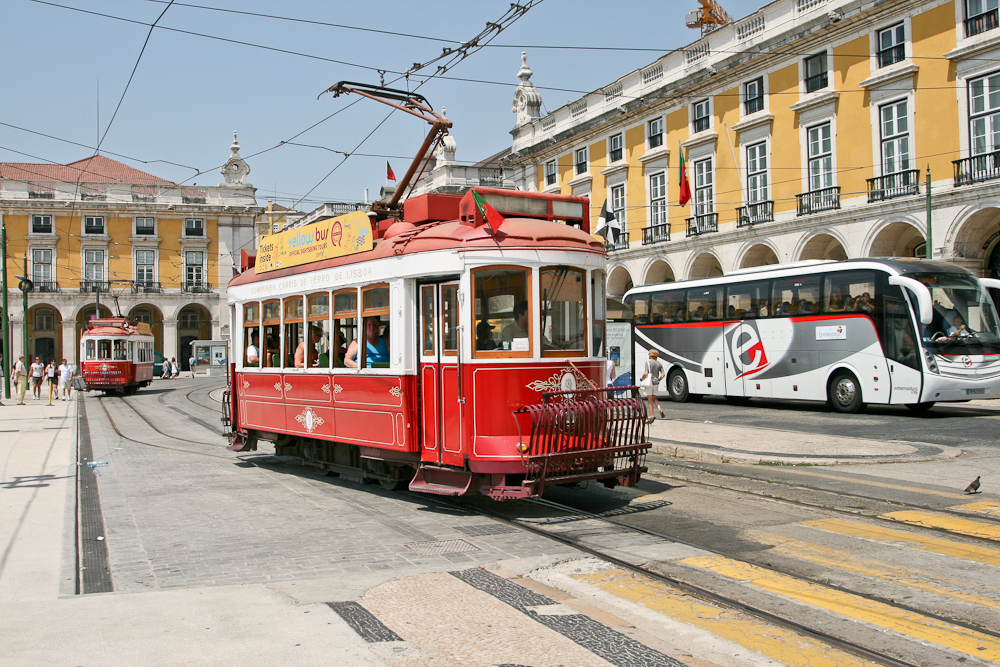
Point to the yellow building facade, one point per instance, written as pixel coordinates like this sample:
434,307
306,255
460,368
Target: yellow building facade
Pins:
807,129
98,236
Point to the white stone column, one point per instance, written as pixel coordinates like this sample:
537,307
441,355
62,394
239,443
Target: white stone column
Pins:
169,337
70,345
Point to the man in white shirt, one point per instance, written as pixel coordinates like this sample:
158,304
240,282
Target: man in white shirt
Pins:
253,352
65,376
19,376
37,371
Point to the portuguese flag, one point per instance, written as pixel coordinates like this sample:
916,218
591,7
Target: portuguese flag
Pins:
685,193
389,175
488,212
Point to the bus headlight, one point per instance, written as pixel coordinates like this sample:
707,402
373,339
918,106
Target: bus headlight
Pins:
931,364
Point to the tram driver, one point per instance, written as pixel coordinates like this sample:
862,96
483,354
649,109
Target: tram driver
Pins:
518,329
253,350
376,349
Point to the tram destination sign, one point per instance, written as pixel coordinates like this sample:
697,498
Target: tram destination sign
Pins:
334,237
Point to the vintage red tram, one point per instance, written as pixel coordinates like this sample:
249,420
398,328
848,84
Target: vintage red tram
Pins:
482,365
116,355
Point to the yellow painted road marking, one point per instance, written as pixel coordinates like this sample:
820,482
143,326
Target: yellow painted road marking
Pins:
971,552
988,507
865,482
907,623
952,524
895,574
779,644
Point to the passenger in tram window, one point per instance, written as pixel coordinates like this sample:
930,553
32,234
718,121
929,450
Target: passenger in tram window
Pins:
484,336
253,349
376,349
518,328
315,334
271,358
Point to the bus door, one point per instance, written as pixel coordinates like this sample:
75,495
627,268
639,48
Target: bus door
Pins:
438,372
902,354
744,340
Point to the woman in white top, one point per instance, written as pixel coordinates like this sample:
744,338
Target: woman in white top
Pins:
650,381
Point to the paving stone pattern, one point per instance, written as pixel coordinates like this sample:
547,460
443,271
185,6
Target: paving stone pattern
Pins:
364,622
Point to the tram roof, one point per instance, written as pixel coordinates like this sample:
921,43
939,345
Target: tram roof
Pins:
404,238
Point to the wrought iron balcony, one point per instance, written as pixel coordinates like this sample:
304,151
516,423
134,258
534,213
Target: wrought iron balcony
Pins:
145,287
145,231
94,286
827,199
894,54
981,23
656,234
755,213
816,82
491,177
616,154
753,105
550,179
702,224
94,229
46,286
895,185
197,286
977,169
701,124
620,244
41,228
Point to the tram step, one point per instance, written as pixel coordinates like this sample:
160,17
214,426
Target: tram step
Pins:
441,481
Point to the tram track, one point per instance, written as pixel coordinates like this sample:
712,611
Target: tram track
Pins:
114,425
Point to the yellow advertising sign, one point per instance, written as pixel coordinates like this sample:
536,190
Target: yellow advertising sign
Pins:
335,237
143,328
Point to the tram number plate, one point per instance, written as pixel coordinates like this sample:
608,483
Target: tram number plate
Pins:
975,391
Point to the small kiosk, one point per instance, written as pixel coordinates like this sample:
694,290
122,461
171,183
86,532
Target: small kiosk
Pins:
210,356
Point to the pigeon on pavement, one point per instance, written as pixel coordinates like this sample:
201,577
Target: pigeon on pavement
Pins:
974,487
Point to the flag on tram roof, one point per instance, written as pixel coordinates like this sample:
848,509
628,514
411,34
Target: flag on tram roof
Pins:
489,213
608,225
389,175
685,193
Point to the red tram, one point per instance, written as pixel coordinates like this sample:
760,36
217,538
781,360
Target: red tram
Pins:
482,367
116,355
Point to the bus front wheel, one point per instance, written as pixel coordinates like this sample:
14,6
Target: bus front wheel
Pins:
845,393
677,385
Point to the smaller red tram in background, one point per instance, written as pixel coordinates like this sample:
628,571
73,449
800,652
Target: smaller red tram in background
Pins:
116,355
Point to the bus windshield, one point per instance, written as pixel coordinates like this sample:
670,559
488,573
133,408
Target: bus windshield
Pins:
964,315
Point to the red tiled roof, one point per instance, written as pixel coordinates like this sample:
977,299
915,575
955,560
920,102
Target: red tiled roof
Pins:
97,169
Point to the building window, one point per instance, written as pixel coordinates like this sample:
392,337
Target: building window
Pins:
144,315
41,224
93,266
45,319
984,114
704,202
753,96
658,199
581,161
187,318
41,267
654,132
93,225
980,16
193,269
550,172
757,173
895,138
194,227
145,226
615,148
816,77
820,157
144,264
618,204
701,116
891,45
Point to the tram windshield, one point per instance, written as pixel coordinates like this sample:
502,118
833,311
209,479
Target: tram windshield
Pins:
964,316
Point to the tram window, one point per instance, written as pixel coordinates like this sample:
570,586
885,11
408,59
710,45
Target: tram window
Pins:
665,307
564,314
121,351
375,330
746,301
844,292
427,320
502,297
318,316
375,300
449,319
294,340
704,303
271,314
104,349
251,334
795,296
345,323
91,352
598,304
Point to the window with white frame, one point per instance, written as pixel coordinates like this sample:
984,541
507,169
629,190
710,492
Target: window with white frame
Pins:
654,133
704,200
753,96
658,199
700,114
45,319
187,318
820,157
145,226
980,16
41,224
894,126
93,266
194,227
891,45
618,204
41,267
984,114
815,70
193,267
550,172
581,160
145,263
93,224
616,148
757,189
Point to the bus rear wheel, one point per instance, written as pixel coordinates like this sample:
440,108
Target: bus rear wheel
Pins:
677,386
845,393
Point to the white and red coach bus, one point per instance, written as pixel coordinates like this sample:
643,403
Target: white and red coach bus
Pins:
116,355
480,367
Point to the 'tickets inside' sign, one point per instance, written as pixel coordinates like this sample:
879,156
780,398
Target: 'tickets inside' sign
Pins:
336,237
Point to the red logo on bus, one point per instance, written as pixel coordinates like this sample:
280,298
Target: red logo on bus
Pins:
747,349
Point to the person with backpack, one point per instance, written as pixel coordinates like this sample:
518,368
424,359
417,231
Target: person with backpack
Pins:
650,381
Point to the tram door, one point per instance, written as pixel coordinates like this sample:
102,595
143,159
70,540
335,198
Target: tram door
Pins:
439,381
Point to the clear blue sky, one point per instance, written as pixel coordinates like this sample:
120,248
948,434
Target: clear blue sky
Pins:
190,92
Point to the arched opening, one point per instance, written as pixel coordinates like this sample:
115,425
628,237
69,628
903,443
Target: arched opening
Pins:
659,272
45,333
900,239
194,322
759,255
706,265
824,246
974,236
86,314
619,282
151,315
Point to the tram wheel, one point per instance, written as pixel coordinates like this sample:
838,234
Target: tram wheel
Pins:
677,385
393,484
920,408
845,393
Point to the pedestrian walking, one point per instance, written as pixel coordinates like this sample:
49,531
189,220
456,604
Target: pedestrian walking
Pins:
50,375
165,375
37,373
192,362
19,376
65,380
650,382
173,368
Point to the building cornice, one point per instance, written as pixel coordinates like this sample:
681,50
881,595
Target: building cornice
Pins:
700,139
991,41
660,153
754,121
815,100
614,169
894,74
580,180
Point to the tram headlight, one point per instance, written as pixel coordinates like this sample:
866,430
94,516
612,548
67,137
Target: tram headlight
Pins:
931,364
522,447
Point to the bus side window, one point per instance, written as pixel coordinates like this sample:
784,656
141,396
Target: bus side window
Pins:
849,292
640,308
